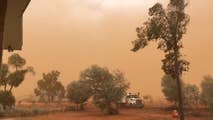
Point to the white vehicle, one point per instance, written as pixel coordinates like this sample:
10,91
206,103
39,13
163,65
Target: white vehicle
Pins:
132,100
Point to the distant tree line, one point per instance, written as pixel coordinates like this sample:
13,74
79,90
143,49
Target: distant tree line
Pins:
192,95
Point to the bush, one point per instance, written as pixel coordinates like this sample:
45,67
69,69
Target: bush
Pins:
23,112
6,99
79,92
207,91
191,95
169,89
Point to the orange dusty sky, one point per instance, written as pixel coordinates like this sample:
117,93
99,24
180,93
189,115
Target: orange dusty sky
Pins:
71,35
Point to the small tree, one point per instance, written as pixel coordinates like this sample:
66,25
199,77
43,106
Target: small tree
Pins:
49,88
108,88
191,95
207,91
6,99
79,92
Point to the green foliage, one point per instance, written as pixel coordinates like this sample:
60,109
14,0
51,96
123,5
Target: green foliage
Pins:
14,78
169,89
6,99
4,71
49,88
16,61
191,95
108,88
166,26
207,91
79,92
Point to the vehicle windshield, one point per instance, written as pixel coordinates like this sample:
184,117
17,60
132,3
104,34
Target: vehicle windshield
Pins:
132,96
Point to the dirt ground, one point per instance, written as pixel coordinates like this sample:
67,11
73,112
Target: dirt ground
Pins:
125,114
150,112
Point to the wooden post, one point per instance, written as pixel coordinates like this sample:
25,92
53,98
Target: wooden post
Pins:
3,9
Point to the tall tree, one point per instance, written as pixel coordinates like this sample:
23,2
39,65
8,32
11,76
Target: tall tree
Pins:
167,26
49,87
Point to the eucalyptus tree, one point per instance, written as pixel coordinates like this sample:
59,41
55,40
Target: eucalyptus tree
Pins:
10,78
16,77
49,88
167,27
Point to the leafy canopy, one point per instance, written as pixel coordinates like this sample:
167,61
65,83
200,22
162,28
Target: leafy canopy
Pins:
166,26
16,61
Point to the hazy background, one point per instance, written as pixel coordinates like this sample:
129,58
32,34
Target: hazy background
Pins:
71,35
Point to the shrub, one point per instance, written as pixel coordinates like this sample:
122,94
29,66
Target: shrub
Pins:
23,112
79,92
108,88
169,89
6,99
191,95
207,91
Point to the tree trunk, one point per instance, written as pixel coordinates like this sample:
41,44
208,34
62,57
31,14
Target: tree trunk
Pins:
82,106
3,8
4,107
5,87
11,88
179,84
180,98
